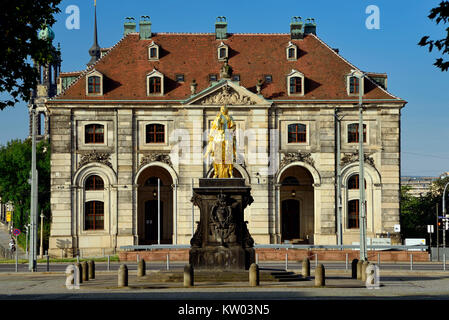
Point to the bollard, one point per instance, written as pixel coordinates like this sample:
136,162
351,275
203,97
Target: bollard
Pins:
85,268
359,269
137,258
123,276
411,262
354,266
79,272
378,259
48,263
320,276
254,275
286,261
188,276
109,263
91,268
168,262
305,268
257,258
141,268
364,266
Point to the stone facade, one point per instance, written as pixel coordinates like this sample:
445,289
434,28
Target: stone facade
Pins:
293,184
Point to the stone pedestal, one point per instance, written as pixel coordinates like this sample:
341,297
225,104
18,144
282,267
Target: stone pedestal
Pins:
222,240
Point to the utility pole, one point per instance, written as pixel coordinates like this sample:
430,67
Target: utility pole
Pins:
438,234
362,217
445,217
338,182
158,211
34,196
41,249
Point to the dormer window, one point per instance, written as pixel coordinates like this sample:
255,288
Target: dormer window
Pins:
222,52
292,52
155,83
94,84
355,83
295,83
153,51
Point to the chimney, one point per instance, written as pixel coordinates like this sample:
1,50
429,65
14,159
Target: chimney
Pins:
297,28
310,26
130,26
221,28
145,28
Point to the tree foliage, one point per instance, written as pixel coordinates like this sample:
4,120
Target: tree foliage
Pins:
20,45
15,168
440,13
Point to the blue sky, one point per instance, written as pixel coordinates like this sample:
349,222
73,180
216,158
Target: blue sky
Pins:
341,24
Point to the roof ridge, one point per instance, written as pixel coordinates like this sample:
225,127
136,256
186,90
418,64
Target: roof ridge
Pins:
369,79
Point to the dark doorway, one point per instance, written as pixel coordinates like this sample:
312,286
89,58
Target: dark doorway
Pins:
290,219
151,221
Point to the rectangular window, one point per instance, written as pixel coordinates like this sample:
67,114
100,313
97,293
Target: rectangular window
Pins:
155,85
153,53
353,214
297,133
353,133
94,215
295,85
94,133
155,133
94,84
354,85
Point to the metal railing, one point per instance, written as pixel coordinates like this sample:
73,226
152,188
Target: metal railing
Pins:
287,246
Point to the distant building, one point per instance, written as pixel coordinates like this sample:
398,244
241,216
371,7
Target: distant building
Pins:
419,185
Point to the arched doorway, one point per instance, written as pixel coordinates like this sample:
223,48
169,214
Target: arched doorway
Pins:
297,205
148,208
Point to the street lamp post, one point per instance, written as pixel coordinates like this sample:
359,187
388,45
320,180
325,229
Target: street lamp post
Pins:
34,196
362,218
41,251
445,217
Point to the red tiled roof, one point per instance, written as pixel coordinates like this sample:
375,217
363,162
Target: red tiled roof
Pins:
251,56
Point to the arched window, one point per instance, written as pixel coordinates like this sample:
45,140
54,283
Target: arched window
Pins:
94,215
295,85
353,214
94,183
297,133
353,133
94,133
353,182
155,133
155,85
354,85
94,84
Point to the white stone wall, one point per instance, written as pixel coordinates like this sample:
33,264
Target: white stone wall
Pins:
185,127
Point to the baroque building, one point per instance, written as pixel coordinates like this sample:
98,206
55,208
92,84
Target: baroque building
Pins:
139,114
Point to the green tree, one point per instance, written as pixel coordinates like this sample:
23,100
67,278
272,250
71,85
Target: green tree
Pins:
440,13
15,167
20,45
